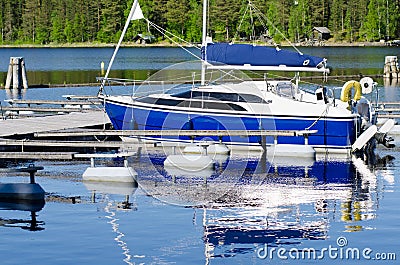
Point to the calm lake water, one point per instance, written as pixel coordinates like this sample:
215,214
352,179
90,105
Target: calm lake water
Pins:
82,65
252,210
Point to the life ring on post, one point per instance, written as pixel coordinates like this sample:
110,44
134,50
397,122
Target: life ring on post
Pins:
345,95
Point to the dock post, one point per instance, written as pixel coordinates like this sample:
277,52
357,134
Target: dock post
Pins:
102,68
9,74
16,74
92,164
391,68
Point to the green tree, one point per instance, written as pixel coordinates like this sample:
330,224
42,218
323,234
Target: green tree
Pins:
392,16
78,28
57,21
194,22
43,22
371,29
299,22
224,15
177,15
275,27
68,31
1,21
29,16
112,20
9,22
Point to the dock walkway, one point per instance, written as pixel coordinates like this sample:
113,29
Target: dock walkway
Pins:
31,125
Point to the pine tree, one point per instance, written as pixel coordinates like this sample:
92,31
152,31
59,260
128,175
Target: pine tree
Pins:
1,21
29,17
275,28
57,22
112,20
370,30
43,22
177,15
194,22
299,22
224,15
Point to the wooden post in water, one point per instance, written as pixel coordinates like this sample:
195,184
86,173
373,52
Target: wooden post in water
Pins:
16,74
391,68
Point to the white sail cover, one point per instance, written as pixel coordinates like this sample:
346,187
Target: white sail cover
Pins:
138,14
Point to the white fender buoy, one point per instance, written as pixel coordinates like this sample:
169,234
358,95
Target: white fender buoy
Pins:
189,162
387,126
193,149
291,150
110,174
119,188
184,172
364,138
218,149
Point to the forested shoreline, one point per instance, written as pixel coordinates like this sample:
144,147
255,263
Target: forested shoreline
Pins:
101,21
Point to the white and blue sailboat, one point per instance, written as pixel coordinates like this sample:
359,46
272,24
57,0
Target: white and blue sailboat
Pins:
249,105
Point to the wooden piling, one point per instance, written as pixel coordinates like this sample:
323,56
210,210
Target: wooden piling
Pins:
9,74
16,74
391,68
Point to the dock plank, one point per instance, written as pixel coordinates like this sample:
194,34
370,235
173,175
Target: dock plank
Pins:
33,125
53,102
55,143
38,155
46,109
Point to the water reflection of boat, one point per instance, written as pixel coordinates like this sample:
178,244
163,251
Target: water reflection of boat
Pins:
275,204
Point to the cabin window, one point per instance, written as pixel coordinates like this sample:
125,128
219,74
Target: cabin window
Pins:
233,97
192,104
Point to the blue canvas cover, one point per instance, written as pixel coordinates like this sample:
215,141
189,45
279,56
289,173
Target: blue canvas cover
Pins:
240,54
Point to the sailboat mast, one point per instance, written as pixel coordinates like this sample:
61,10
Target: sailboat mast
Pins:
204,42
133,8
204,39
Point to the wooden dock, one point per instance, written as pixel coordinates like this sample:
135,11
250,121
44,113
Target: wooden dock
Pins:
38,107
389,110
80,103
31,125
62,144
38,155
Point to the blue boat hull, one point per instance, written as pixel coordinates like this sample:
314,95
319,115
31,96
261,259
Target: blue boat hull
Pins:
334,132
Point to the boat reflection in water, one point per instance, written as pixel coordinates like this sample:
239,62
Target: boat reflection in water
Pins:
267,203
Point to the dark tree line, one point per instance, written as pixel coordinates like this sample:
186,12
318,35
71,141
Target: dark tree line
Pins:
71,21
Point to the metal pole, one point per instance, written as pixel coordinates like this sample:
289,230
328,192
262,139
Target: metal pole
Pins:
204,43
